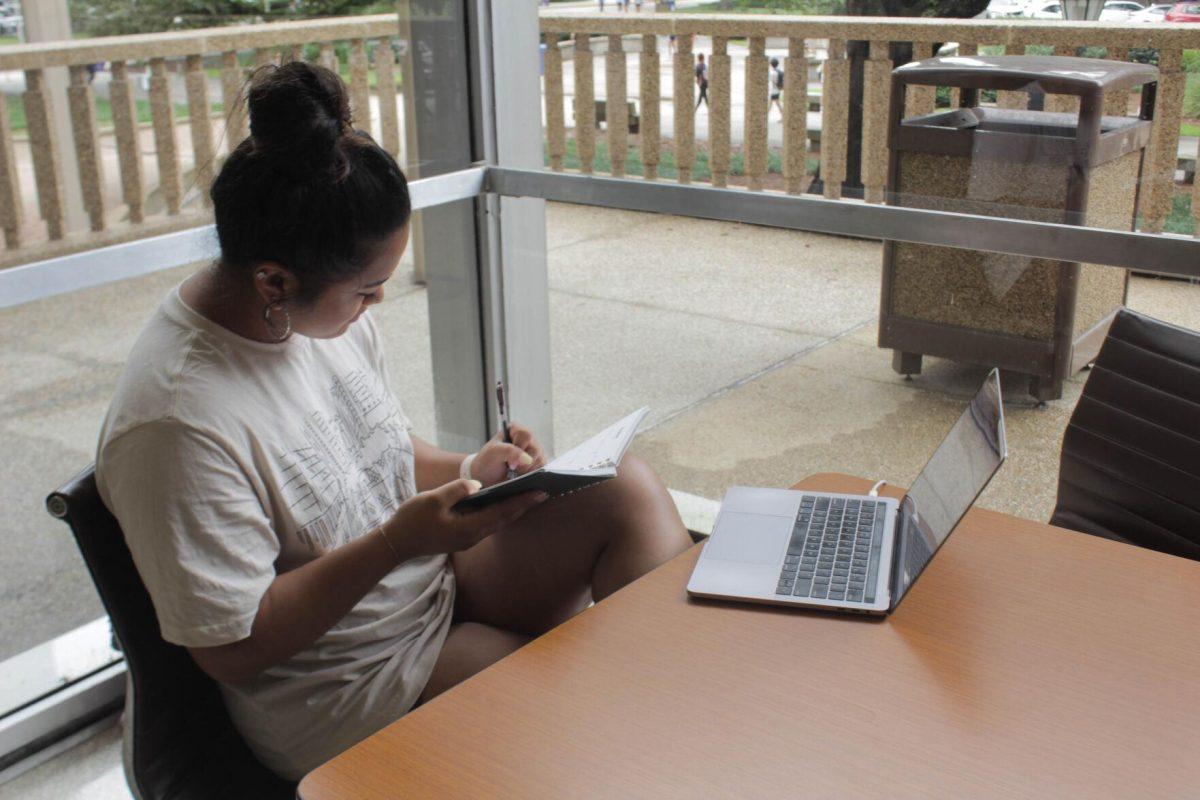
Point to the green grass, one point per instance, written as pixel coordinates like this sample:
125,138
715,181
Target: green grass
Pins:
9,40
16,111
666,165
1189,129
1180,219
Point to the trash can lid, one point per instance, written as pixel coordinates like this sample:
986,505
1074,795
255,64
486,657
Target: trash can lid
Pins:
1054,74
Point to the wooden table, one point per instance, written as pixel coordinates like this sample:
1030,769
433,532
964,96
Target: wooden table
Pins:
1028,661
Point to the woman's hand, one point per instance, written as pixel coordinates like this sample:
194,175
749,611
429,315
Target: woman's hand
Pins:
497,457
427,524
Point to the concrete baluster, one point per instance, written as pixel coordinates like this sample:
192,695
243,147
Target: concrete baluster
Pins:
200,125
385,76
795,123
835,104
684,98
235,103
129,154
964,49
1196,195
921,99
327,56
651,130
585,104
87,145
757,98
169,180
264,56
877,90
720,89
616,112
1164,141
1063,103
47,172
556,123
360,85
1116,103
10,187
1014,100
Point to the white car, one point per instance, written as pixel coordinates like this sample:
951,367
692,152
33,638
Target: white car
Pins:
1044,11
1004,9
1119,10
1156,13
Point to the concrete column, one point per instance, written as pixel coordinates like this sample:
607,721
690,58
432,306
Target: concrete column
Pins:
50,21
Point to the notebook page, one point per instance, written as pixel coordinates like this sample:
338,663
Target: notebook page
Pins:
604,450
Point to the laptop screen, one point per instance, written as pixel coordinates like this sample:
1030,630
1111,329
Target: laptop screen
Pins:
951,481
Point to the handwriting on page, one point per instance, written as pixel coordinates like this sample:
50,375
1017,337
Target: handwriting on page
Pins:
602,450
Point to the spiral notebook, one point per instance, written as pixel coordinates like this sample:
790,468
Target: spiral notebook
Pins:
585,464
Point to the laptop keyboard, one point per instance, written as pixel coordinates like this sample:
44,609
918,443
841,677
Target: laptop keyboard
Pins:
834,550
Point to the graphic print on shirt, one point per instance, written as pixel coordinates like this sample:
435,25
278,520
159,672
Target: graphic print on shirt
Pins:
354,467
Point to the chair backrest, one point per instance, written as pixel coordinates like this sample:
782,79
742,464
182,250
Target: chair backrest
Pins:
184,746
1130,466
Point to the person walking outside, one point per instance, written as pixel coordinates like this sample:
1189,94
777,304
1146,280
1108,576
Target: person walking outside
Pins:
775,79
701,79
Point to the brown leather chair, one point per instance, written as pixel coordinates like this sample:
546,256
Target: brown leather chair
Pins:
1130,467
179,741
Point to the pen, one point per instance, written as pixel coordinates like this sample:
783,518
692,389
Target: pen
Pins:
504,421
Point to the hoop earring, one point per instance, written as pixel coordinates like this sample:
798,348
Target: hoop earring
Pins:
272,328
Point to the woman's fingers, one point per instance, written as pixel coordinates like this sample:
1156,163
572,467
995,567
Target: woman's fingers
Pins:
517,458
523,438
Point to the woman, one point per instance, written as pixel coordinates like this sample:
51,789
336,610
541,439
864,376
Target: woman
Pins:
293,534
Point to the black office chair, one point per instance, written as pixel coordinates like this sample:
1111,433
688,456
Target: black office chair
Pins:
179,741
1130,467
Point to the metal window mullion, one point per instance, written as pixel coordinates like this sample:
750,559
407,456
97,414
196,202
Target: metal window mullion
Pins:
518,292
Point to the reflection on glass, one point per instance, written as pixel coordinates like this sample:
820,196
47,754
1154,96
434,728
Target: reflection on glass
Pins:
955,475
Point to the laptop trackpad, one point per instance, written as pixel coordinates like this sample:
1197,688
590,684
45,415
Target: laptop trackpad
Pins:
750,538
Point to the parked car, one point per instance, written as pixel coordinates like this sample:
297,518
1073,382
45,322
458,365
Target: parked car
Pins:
1004,9
1044,11
1154,13
1119,10
10,22
1184,12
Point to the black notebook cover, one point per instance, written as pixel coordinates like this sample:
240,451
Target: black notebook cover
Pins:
552,483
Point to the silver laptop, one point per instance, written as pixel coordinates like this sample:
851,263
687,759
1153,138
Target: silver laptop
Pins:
849,552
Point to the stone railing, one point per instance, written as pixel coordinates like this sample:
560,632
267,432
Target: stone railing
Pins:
170,191
644,34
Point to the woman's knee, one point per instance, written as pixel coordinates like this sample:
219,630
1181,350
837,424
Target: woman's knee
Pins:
638,483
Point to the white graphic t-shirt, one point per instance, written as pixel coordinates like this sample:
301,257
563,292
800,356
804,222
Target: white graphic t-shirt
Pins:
229,461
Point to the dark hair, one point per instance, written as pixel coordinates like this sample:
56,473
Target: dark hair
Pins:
774,62
305,189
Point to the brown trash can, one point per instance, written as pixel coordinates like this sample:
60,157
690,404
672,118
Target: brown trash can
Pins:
1034,316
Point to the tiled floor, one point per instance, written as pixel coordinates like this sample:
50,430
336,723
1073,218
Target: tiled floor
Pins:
754,347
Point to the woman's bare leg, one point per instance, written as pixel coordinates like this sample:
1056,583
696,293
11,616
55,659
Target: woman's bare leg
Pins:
568,551
469,648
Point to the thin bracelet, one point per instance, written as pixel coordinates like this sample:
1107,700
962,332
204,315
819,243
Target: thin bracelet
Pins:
391,546
464,469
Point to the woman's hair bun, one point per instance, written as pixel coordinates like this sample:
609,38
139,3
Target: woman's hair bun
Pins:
299,113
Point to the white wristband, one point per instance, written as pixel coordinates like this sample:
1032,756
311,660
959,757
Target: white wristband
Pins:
464,470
